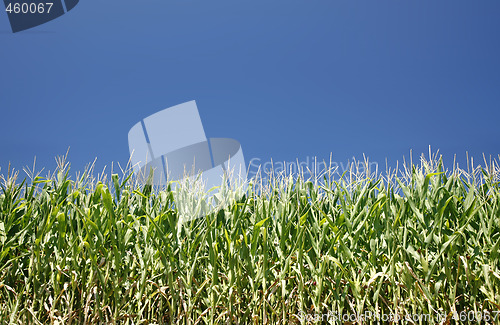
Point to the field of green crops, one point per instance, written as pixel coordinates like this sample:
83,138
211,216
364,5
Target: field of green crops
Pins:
419,242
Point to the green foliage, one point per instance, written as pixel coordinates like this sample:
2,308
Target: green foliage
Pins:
82,251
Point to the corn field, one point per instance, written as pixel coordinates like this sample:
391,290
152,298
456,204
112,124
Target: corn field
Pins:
341,248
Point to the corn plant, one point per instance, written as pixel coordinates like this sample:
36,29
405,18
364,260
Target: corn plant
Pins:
334,249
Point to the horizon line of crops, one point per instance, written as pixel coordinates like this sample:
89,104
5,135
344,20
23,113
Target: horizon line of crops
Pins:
423,241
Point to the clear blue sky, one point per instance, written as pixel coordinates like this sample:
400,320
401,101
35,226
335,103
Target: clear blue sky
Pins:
288,79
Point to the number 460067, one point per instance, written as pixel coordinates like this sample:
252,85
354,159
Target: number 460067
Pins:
29,8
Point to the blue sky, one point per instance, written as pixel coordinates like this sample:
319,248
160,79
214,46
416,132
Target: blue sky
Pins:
288,79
